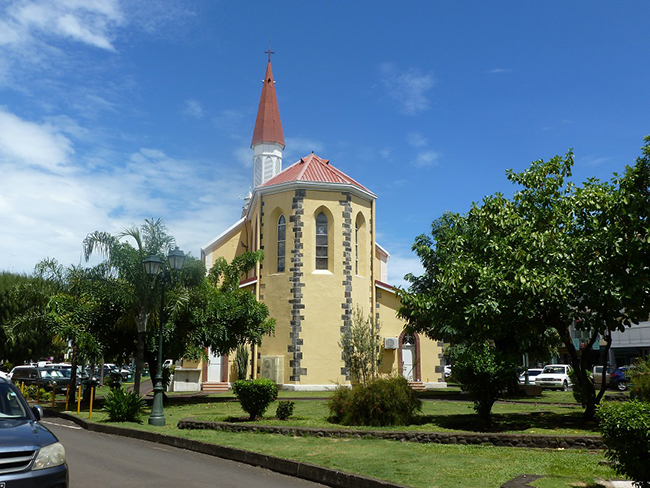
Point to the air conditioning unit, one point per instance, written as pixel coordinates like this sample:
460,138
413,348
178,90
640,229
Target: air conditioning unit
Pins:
391,342
272,368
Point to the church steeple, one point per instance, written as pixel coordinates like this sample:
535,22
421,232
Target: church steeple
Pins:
268,139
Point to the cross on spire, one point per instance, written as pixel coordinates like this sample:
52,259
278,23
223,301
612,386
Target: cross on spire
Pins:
269,52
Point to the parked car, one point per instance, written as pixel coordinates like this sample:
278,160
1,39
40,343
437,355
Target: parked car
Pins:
597,375
554,376
619,379
37,457
532,374
447,371
66,370
46,377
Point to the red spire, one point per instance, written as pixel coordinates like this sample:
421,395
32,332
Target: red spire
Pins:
268,127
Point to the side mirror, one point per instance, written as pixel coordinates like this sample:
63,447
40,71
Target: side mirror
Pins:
38,412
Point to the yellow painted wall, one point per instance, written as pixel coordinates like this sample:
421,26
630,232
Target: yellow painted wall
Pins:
392,326
324,291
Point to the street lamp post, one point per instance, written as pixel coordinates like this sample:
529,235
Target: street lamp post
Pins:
154,266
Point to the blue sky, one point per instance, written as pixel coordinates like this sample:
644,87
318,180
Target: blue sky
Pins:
116,111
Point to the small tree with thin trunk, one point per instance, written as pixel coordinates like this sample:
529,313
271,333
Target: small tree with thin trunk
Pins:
361,346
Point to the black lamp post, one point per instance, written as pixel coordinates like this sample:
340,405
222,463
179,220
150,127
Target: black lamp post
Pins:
154,266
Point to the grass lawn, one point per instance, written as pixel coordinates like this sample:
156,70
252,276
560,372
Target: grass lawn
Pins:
437,415
411,464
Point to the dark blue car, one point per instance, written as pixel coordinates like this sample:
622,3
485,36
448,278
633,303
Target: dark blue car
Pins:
30,455
619,378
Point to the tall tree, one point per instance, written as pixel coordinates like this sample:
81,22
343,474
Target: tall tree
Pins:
220,315
553,257
24,319
127,262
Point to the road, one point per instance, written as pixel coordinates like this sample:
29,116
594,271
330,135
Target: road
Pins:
106,461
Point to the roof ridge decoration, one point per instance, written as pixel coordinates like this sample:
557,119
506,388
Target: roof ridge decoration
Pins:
268,127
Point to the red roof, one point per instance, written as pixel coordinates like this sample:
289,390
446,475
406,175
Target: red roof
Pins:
312,168
268,127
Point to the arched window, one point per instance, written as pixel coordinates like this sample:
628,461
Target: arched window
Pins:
321,241
356,248
282,240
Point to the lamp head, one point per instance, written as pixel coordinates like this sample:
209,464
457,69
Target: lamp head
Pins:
152,264
176,259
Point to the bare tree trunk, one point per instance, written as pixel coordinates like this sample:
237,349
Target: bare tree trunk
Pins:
579,366
72,388
139,361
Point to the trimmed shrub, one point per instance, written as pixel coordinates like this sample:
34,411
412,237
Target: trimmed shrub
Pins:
383,401
284,410
255,396
32,393
123,406
625,428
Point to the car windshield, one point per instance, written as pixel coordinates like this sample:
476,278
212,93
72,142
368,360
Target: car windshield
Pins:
51,373
10,405
554,370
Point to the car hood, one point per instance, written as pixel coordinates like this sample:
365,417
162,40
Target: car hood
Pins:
545,376
24,434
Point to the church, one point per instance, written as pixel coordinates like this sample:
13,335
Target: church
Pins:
316,226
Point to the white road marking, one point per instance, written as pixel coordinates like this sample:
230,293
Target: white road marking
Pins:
74,427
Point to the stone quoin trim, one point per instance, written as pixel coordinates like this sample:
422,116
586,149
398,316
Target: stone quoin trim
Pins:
296,272
346,203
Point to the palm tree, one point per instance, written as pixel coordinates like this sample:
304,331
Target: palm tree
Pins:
126,262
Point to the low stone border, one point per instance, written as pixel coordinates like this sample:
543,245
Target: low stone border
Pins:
310,472
502,440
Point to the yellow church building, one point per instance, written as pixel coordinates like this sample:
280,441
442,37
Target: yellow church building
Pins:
316,226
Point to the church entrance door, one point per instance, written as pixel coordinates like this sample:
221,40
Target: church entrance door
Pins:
214,367
408,357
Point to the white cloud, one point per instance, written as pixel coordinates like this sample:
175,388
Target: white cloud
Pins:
192,108
89,22
401,264
415,139
385,153
25,143
409,89
50,199
426,158
297,147
499,71
593,161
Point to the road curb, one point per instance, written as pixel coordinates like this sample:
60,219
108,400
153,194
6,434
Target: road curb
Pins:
306,471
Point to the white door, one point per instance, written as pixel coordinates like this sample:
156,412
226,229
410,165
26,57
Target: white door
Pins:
408,353
214,367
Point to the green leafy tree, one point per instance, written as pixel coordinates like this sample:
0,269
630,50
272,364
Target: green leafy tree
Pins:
25,322
522,270
361,346
220,315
